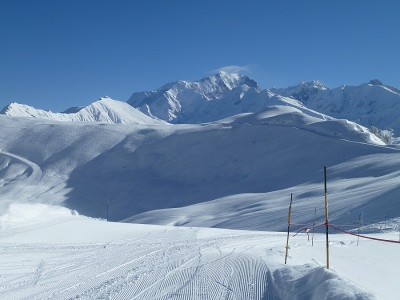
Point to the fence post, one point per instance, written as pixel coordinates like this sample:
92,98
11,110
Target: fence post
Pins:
326,221
288,228
313,228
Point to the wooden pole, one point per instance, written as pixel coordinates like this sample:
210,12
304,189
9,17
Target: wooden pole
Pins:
326,221
288,227
358,229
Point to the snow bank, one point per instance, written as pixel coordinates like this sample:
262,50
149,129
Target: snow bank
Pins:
27,212
314,283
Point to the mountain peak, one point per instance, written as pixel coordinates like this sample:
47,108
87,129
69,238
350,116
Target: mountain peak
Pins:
181,101
303,91
220,81
316,84
376,82
17,109
234,79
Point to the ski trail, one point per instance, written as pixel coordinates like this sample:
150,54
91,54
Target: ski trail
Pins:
36,172
163,264
32,177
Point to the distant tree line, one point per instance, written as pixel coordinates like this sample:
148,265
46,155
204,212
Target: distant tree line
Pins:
385,135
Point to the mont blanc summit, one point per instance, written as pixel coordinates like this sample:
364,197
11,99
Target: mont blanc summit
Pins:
209,99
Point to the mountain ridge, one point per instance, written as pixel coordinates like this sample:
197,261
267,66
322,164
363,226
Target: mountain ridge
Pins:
181,101
223,95
104,110
369,104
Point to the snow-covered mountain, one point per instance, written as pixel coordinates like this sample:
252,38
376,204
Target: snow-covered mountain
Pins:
227,94
223,95
303,91
209,99
369,104
105,110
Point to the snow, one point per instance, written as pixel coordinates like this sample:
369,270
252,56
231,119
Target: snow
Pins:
105,110
224,95
369,104
61,163
74,257
240,178
22,212
206,100
212,199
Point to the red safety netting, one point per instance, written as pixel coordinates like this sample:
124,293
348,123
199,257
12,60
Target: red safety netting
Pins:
307,228
364,236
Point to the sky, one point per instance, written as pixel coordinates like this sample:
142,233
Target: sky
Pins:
58,54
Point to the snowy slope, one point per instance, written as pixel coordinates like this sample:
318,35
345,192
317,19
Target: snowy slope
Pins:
53,254
105,110
369,104
285,151
138,168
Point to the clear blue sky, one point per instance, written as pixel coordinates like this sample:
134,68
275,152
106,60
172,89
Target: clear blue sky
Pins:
57,54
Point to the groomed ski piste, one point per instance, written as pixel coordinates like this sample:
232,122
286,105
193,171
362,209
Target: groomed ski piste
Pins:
238,173
52,253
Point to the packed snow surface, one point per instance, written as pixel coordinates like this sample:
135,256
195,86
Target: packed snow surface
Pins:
74,257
